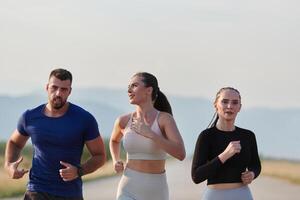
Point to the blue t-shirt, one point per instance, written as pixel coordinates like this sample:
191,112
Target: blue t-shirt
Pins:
54,140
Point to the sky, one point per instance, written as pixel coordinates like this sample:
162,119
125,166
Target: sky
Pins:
193,47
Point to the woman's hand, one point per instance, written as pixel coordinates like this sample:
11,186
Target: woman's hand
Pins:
139,126
247,177
232,148
119,166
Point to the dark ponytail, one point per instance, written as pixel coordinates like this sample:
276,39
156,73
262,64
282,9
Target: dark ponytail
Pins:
213,121
161,102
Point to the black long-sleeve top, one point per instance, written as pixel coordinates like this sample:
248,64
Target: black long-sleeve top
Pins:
212,142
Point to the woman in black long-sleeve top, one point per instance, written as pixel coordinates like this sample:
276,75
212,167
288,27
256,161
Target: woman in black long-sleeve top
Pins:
226,155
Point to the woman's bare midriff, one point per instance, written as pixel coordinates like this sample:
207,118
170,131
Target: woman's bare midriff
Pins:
226,185
147,166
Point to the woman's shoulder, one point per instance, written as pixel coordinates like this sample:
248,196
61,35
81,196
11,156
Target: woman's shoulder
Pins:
165,118
207,132
206,136
164,115
123,120
245,131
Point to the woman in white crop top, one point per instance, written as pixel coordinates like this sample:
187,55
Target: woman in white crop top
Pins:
149,133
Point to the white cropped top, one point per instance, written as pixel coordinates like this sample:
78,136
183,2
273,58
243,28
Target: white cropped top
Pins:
139,147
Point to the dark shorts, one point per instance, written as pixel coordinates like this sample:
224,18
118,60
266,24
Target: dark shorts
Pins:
45,196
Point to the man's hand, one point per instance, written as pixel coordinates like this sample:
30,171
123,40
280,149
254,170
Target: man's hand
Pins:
13,170
68,173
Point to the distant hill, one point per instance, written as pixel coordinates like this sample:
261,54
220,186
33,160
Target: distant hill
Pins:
276,130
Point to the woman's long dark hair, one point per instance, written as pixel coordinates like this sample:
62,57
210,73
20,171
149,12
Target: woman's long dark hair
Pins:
215,118
161,102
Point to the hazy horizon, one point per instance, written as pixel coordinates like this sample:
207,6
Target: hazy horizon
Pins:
192,115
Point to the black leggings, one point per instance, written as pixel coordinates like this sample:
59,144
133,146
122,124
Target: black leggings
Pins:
45,196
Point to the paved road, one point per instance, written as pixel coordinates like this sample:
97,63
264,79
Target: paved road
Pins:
181,186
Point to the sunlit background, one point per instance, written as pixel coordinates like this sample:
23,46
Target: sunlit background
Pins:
193,47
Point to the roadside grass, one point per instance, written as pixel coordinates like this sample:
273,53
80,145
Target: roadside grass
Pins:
283,169
10,187
16,187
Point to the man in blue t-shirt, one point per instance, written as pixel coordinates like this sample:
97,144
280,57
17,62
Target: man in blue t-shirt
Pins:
58,131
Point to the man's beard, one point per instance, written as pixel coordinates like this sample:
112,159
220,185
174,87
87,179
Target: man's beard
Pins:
57,103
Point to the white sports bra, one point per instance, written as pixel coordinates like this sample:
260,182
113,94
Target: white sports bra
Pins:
139,147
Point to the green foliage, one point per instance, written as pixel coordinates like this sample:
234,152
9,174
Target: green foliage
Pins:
19,188
2,148
8,192
86,155
27,151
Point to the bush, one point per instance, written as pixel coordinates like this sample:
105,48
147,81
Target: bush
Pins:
27,152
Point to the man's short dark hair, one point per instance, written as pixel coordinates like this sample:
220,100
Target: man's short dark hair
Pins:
61,74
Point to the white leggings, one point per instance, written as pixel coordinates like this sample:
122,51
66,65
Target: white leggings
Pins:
227,194
136,185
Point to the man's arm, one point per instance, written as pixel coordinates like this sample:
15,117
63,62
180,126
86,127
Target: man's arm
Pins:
14,146
97,159
98,155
